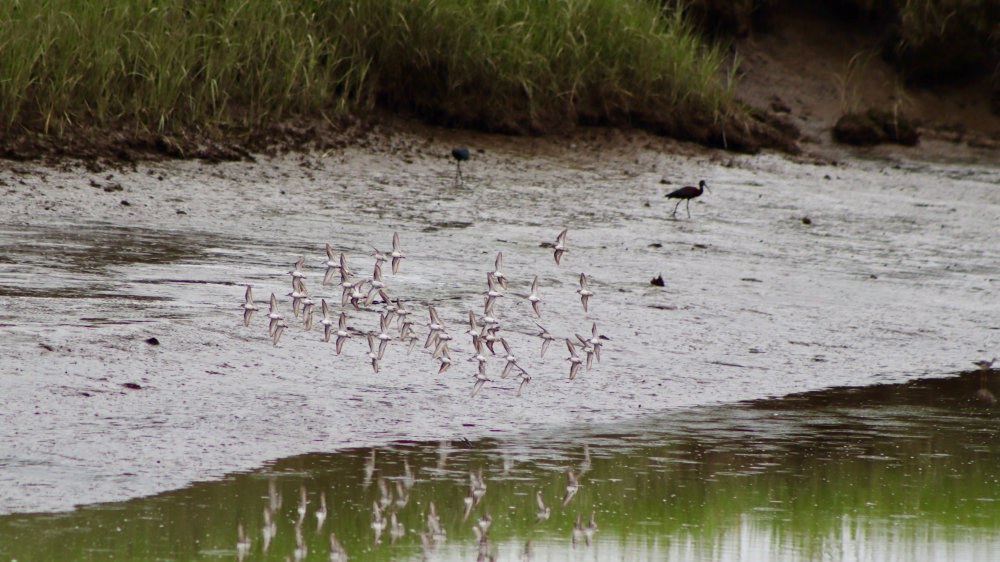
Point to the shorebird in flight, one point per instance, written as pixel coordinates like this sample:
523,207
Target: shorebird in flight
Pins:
445,358
435,326
489,337
274,316
489,321
380,257
307,313
331,263
345,272
498,271
560,246
403,313
588,349
279,327
327,322
296,271
480,358
298,293
510,358
481,379
375,286
373,353
397,254
342,333
525,379
546,338
534,298
383,335
249,307
574,360
492,292
584,290
594,341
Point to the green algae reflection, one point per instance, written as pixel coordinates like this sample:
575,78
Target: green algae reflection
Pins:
886,472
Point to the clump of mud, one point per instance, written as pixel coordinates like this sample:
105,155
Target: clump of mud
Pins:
875,126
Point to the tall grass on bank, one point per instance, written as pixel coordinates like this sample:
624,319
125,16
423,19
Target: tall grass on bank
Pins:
529,64
163,65
160,64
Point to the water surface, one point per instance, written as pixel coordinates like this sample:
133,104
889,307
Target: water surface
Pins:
888,472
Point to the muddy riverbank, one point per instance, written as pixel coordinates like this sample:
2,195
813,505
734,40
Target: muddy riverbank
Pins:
894,277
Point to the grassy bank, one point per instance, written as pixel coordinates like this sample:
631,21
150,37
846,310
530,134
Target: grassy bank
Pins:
235,66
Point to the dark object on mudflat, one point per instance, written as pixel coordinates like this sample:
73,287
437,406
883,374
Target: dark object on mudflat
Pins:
132,385
686,193
657,281
875,126
460,154
152,341
807,220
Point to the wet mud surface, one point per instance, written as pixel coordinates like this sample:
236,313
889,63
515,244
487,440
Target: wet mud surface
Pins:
895,277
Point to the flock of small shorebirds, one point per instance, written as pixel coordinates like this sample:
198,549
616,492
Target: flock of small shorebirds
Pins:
385,508
362,293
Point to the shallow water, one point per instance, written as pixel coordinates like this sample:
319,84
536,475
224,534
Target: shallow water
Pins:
895,279
888,472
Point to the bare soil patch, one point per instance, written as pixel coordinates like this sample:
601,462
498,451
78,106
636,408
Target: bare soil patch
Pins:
811,68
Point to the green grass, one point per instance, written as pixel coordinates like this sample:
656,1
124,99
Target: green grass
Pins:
238,65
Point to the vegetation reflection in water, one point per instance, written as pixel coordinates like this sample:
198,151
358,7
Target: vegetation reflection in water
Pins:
886,472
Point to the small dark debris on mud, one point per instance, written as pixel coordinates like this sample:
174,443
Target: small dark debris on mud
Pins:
656,245
132,385
657,281
46,347
807,220
152,341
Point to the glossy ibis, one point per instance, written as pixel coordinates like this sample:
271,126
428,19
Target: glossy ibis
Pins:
686,193
460,154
